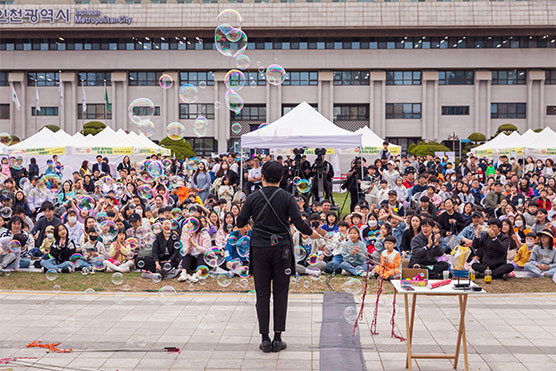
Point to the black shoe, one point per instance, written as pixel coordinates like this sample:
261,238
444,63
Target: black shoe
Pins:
505,276
278,345
65,270
265,346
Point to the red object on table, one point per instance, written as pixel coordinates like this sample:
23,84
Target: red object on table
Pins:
440,283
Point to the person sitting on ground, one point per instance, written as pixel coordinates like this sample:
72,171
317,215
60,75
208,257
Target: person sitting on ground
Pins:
9,255
119,260
230,250
310,261
390,260
47,219
335,246
165,254
61,250
490,251
93,247
353,254
425,250
542,262
524,252
195,243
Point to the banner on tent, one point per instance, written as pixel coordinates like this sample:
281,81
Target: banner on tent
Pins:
145,151
370,151
45,151
542,152
483,152
103,150
510,152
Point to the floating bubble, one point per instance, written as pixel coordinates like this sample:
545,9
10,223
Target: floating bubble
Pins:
229,17
261,69
234,80
253,84
24,183
109,228
275,74
145,191
132,243
232,239
6,139
175,130
146,128
75,257
89,291
304,186
117,278
244,271
126,288
165,81
267,134
306,284
176,213
242,61
242,246
101,217
234,101
225,46
202,271
176,181
191,225
202,84
243,283
156,277
359,270
214,257
200,127
350,315
193,163
16,160
188,93
315,274
235,265
236,128
56,288
312,259
51,274
288,271
167,291
98,263
353,286
141,109
14,246
299,252
296,180
224,279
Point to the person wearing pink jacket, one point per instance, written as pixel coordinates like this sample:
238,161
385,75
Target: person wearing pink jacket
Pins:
194,246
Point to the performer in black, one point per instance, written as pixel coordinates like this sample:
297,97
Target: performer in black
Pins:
271,254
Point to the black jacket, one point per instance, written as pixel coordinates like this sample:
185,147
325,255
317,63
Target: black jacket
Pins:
445,226
40,226
421,254
104,168
160,245
33,170
62,253
491,252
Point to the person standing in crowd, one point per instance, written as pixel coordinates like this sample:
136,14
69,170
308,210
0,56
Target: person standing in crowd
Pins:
201,181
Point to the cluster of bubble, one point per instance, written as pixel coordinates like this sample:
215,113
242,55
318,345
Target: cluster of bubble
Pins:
302,185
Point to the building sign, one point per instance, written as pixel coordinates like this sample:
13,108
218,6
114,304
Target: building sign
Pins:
38,15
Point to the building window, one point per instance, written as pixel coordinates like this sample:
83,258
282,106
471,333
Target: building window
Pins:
456,77
195,78
509,77
144,78
550,77
4,78
203,146
255,78
250,113
403,110
455,110
551,110
301,78
94,78
288,107
45,111
508,110
403,77
159,1
145,111
133,1
351,112
351,77
4,111
192,111
43,78
82,2
94,111
108,1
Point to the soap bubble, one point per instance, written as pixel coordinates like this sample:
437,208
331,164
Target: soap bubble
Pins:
75,257
188,93
224,279
56,288
243,283
6,139
202,84
89,291
288,271
109,228
191,225
253,84
202,271
117,278
175,130
275,74
312,259
146,128
145,191
166,81
234,34
141,109
14,246
299,252
227,47
304,186
98,263
176,181
24,182
236,128
353,286
229,17
242,61
200,127
214,257
232,239
51,274
193,163
234,101
242,246
234,80
156,277
268,134
350,315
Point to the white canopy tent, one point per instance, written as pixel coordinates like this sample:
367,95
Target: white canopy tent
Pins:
541,144
372,144
486,149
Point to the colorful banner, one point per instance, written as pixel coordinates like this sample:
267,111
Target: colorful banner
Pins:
103,151
45,151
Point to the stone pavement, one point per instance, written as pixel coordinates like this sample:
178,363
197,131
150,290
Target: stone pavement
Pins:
218,331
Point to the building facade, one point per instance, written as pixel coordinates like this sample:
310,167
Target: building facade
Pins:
408,70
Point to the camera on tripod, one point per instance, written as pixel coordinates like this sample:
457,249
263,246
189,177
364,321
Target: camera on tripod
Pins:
298,152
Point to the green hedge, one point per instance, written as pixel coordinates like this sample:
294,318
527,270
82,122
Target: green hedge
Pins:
506,128
477,137
427,148
180,148
52,127
93,127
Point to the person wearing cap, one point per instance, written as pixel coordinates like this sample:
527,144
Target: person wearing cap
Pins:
466,236
524,252
542,262
490,250
272,260
390,174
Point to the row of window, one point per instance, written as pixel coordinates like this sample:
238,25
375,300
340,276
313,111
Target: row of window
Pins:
293,78
258,112
196,43
83,2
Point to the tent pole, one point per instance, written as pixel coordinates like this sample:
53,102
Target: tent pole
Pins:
241,169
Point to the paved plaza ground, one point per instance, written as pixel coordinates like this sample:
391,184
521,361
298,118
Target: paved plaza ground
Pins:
218,331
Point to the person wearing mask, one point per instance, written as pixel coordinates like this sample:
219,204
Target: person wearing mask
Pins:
542,262
426,248
490,250
75,228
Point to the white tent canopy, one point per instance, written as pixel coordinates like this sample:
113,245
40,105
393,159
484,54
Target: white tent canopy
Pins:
41,141
302,127
370,139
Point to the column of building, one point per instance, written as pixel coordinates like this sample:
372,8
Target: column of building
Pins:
377,116
483,81
535,99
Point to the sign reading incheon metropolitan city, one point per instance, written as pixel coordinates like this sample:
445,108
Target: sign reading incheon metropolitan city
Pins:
51,15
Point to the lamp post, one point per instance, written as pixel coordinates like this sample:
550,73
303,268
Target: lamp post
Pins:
453,137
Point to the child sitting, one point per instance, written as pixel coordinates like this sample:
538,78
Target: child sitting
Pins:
524,252
336,245
119,253
543,257
390,259
312,246
356,220
353,254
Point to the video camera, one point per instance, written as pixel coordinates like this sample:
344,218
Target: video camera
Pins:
298,152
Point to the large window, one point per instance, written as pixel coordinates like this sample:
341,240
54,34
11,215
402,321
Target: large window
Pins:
551,110
508,110
509,77
288,107
403,77
43,78
45,111
255,78
203,146
145,111
455,77
403,110
94,111
250,113
455,110
195,78
4,78
94,78
351,112
301,78
4,111
146,78
351,77
192,111
550,77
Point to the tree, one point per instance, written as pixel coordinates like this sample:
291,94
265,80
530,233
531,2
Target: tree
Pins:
52,127
180,148
477,137
427,148
506,129
93,127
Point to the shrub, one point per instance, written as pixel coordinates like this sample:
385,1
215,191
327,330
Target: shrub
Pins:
93,127
506,129
428,148
477,137
180,148
52,127
537,130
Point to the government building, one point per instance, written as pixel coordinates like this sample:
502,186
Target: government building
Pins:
409,70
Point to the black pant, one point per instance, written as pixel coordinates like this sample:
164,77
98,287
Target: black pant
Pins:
148,263
436,271
268,265
354,198
190,262
498,270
